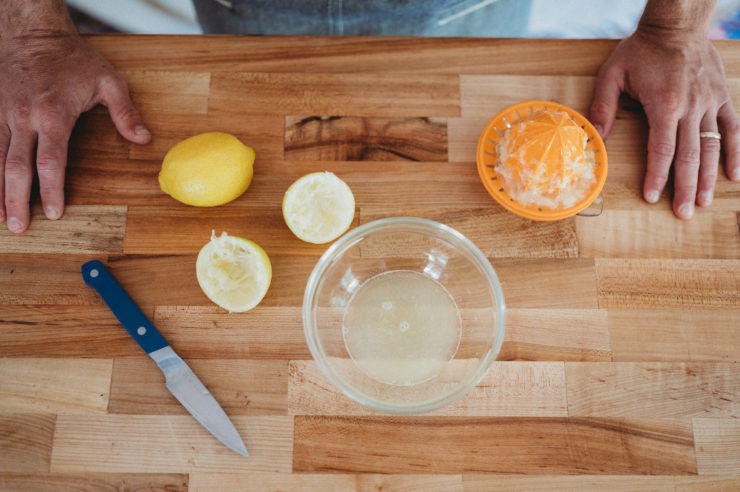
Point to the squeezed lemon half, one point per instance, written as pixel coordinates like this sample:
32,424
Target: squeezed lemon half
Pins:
234,273
319,207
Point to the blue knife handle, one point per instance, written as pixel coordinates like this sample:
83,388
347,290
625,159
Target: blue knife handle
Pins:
128,313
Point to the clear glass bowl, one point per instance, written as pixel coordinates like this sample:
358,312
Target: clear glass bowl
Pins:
419,245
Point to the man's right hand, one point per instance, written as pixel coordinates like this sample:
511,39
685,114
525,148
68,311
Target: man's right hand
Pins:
47,82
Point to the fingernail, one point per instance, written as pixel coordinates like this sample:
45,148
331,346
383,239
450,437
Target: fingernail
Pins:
686,210
52,213
735,174
600,129
652,196
14,225
142,131
705,197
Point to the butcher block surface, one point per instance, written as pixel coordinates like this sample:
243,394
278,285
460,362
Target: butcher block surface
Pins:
619,368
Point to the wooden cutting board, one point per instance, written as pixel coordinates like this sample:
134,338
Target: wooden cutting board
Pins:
620,365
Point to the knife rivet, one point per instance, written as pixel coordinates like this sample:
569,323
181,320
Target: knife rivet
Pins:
141,330
94,273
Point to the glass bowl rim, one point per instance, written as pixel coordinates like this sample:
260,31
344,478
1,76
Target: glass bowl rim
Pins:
339,247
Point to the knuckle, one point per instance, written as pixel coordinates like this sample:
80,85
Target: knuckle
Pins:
733,126
608,69
601,107
662,149
47,106
113,82
16,169
50,117
694,103
126,112
657,175
14,203
711,145
708,178
688,157
47,164
21,115
687,189
671,101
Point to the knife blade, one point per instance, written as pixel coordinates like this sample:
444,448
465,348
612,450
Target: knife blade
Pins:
180,380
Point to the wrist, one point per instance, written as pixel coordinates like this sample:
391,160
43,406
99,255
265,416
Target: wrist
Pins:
45,45
676,21
673,36
35,20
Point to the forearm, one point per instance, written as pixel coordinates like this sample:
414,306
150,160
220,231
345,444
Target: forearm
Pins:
25,19
678,18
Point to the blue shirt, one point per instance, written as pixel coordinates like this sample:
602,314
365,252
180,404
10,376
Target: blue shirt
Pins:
480,18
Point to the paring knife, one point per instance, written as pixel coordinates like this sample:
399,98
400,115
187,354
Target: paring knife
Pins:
180,379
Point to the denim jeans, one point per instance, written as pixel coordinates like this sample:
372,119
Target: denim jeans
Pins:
479,18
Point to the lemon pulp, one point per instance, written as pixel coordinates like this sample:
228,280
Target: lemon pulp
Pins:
544,161
318,207
234,273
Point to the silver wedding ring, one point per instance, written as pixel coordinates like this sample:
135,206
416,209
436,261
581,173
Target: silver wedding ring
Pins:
710,135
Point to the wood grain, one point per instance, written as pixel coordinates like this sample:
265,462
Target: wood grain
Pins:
242,387
556,334
162,272
156,92
358,54
631,483
516,389
185,230
62,331
499,445
84,230
368,54
44,279
298,482
25,442
485,227
95,136
54,385
658,389
269,482
40,482
114,181
634,283
387,187
264,133
547,283
657,234
707,483
342,138
675,335
340,94
209,332
717,444
171,444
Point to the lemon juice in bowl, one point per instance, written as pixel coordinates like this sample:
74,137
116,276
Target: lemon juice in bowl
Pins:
403,314
401,327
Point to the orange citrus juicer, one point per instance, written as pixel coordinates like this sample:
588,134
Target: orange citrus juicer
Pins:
548,138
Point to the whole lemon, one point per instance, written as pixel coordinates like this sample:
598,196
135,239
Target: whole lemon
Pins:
207,170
